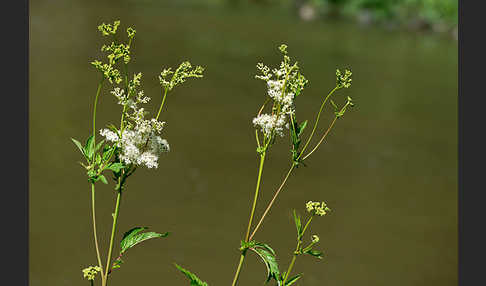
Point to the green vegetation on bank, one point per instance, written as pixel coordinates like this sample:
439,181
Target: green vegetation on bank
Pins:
436,15
429,12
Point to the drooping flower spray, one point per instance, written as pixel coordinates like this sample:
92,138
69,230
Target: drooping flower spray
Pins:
135,142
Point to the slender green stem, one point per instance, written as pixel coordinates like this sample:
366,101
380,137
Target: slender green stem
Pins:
257,140
322,138
113,230
317,121
262,160
252,213
94,227
94,108
272,201
290,268
296,252
237,274
306,225
162,104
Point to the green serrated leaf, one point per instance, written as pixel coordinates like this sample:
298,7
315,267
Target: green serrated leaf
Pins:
267,254
115,167
293,280
314,253
107,152
134,237
195,281
80,147
112,127
103,179
302,127
266,246
89,147
98,159
98,146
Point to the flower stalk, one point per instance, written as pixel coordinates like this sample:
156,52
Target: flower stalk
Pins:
136,142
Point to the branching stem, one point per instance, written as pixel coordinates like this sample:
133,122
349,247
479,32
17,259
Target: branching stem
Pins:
317,121
296,252
322,138
162,104
272,201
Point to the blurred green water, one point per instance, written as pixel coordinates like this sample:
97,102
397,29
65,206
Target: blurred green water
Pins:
388,169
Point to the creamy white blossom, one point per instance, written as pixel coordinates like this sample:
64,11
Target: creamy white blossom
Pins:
270,123
287,83
142,147
109,135
275,123
139,142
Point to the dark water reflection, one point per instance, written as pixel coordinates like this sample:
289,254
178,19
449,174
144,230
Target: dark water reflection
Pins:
388,170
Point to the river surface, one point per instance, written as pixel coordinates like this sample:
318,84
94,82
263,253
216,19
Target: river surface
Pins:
388,170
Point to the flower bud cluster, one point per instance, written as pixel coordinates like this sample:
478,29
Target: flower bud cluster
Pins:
183,72
109,72
91,272
343,80
116,51
109,29
317,208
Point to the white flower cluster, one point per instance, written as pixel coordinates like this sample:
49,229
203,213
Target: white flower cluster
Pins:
285,100
269,123
286,85
140,146
139,141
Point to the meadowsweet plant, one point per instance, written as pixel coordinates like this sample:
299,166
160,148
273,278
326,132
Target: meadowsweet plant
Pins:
275,118
134,142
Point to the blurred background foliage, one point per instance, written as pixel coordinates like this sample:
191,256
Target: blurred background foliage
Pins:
432,15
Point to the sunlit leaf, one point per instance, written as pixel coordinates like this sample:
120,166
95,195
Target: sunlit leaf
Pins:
103,179
115,167
314,253
98,146
89,147
195,281
134,237
267,254
80,147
